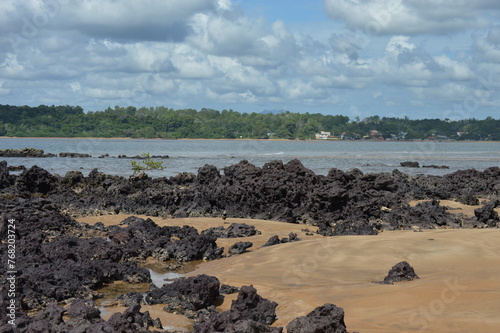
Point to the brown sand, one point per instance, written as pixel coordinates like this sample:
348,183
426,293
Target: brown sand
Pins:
458,289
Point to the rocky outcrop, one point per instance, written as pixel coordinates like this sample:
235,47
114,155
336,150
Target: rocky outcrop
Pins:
58,259
235,230
240,247
74,155
487,213
249,313
144,238
428,214
340,203
83,316
410,164
25,152
275,240
326,318
186,295
402,271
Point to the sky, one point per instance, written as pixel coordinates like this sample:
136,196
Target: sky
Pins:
359,58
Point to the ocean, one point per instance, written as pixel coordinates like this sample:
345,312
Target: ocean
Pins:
319,156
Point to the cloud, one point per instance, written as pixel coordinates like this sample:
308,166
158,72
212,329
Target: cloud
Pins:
411,17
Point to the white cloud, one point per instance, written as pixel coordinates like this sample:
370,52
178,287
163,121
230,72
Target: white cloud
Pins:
410,17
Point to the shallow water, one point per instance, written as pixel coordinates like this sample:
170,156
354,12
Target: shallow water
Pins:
319,156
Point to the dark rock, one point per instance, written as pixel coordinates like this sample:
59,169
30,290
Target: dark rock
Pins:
130,298
410,164
241,230
74,155
487,213
402,271
429,214
73,178
84,317
235,230
132,320
274,240
36,180
240,247
25,152
185,295
194,248
249,313
327,318
226,289
436,166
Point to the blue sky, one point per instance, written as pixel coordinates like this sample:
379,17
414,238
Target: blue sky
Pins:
395,58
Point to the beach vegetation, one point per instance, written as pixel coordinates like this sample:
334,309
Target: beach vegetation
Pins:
146,164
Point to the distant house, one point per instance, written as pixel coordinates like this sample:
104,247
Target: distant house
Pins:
323,135
376,135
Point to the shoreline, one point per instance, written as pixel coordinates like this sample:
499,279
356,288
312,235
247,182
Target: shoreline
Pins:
238,139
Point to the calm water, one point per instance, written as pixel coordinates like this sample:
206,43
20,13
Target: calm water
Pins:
319,156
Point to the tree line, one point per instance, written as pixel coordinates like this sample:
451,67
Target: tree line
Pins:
167,123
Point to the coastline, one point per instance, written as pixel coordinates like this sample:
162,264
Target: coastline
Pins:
240,139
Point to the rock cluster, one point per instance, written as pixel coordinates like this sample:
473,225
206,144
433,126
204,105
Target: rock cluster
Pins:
83,316
74,155
340,203
25,152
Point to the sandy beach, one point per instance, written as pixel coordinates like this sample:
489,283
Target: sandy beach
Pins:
458,289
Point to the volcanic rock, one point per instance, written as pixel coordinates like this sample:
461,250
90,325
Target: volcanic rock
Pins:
249,313
326,318
240,247
410,164
402,271
487,213
74,155
186,295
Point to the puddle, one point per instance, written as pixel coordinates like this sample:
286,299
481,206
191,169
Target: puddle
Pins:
160,275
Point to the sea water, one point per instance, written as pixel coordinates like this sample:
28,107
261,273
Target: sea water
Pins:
319,156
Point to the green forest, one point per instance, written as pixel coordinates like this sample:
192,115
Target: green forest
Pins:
167,123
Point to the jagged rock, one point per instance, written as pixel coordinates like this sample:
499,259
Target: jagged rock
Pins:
240,247
25,152
36,180
235,230
487,213
132,320
185,295
402,271
326,318
249,313
429,214
273,240
84,317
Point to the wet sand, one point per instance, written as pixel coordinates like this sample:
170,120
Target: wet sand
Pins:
458,289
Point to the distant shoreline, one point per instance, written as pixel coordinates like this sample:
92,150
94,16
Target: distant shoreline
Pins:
236,139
